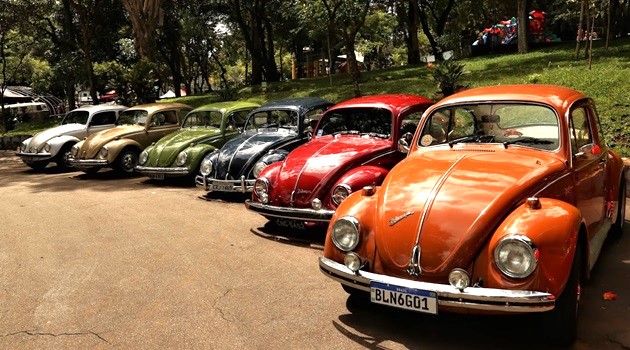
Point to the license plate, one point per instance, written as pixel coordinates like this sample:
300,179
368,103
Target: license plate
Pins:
156,176
221,186
403,297
292,224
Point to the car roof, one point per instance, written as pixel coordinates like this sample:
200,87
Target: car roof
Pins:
559,97
394,102
301,104
98,108
226,107
154,107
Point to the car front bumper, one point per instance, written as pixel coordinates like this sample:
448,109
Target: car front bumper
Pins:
472,298
301,214
242,185
162,170
88,163
34,157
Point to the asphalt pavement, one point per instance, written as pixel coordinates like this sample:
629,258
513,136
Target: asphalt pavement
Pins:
112,262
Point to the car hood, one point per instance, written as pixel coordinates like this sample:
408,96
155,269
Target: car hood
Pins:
311,169
66,129
462,196
95,142
168,147
239,155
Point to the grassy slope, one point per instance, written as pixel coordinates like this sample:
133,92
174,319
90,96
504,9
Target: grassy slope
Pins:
608,82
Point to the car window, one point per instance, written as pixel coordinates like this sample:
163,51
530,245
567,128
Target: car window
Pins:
527,125
79,117
284,119
133,117
181,114
357,120
598,125
103,118
204,119
580,129
410,122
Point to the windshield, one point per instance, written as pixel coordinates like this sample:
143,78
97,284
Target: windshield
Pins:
79,117
527,125
203,119
273,119
360,120
128,117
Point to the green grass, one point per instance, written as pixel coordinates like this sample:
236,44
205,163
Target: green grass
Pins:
608,82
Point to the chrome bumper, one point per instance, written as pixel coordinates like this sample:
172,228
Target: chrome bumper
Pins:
33,157
243,185
160,170
88,163
301,214
487,299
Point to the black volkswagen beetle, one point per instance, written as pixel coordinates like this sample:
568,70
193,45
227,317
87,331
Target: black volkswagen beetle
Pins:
270,133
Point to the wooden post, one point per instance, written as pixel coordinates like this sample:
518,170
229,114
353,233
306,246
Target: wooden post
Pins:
308,66
316,70
293,69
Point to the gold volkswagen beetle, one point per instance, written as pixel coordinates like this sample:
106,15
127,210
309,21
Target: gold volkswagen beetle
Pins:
136,128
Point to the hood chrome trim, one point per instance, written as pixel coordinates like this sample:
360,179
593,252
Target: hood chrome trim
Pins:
297,181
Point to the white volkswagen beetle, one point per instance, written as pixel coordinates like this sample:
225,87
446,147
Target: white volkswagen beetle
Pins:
54,144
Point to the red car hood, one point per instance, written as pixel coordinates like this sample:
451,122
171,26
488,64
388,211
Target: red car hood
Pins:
462,195
311,169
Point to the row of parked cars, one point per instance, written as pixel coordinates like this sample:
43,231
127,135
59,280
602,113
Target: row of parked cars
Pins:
492,200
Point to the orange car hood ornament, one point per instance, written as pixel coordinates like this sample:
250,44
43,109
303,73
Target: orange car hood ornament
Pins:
414,269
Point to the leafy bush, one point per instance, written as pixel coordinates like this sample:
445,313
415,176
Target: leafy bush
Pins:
448,74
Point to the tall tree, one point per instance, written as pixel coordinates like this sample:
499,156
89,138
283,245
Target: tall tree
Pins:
522,27
86,11
146,16
434,16
347,17
407,12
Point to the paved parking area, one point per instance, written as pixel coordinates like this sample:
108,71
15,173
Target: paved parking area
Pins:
108,262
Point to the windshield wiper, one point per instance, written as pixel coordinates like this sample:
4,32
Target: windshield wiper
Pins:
527,140
476,138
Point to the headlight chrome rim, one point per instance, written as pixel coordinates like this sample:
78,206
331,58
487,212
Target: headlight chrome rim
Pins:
340,238
104,152
206,167
518,241
182,157
258,168
340,193
74,150
261,187
143,157
47,147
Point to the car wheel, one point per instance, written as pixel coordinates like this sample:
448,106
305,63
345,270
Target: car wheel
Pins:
127,160
617,226
63,158
38,166
561,323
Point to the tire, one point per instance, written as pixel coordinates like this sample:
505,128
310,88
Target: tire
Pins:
127,161
38,166
62,158
561,323
617,227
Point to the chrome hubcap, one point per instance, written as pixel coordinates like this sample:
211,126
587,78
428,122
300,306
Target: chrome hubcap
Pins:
129,161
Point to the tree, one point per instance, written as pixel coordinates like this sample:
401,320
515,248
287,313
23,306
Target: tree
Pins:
434,16
407,13
522,26
146,16
347,17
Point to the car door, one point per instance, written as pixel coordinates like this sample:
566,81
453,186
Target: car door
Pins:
161,124
588,161
101,121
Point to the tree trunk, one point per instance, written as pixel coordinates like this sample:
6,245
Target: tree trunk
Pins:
523,46
580,31
413,45
608,23
353,67
145,17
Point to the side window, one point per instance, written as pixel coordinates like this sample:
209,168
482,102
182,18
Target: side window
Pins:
103,118
410,123
239,118
157,119
311,118
181,114
170,117
580,129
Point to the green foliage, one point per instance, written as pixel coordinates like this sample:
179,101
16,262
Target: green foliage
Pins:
142,77
448,74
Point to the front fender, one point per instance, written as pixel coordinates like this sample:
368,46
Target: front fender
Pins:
554,231
196,154
116,146
362,176
56,143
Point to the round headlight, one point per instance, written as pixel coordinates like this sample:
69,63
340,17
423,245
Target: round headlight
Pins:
46,147
74,150
345,233
144,156
516,256
340,193
206,167
181,158
261,187
258,168
459,279
104,152
352,261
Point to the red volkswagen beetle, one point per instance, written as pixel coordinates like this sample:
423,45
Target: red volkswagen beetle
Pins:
501,206
355,144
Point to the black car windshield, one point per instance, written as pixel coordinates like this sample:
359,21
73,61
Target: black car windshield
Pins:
285,119
357,120
128,117
79,117
522,124
203,119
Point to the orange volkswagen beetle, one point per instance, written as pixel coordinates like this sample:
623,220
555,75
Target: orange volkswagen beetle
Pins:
501,206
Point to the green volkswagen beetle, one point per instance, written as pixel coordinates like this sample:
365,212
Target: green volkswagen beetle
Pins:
203,130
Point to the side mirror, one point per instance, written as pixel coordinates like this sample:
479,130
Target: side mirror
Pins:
403,142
